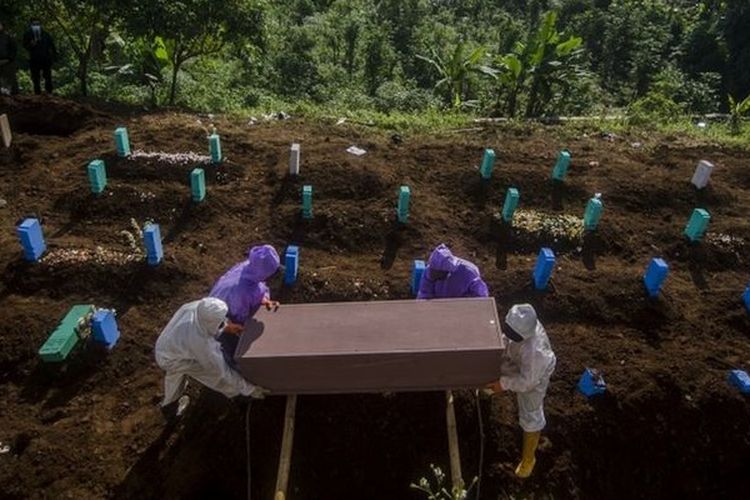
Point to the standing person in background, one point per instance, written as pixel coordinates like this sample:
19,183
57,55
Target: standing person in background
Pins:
42,53
8,51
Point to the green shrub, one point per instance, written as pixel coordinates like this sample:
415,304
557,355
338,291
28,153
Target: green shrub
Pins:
653,109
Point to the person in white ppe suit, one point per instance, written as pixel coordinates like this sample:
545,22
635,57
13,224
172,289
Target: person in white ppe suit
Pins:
527,364
187,347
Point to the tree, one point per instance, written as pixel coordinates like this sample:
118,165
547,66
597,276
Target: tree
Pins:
85,25
455,71
534,66
194,28
736,110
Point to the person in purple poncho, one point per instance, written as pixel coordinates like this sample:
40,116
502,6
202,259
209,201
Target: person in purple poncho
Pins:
244,290
448,276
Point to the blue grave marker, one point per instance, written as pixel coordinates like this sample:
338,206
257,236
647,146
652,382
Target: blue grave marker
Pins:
655,275
591,383
593,214
417,270
122,142
198,184
404,198
291,264
104,327
545,264
307,199
214,147
697,224
741,380
561,167
488,163
511,203
152,240
746,298
32,240
97,176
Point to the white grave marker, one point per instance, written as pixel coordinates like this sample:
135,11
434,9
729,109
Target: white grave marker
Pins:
5,126
294,160
702,174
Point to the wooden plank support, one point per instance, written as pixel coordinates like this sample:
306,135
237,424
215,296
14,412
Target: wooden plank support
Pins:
287,439
450,417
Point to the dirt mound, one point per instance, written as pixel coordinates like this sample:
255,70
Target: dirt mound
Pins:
670,426
48,115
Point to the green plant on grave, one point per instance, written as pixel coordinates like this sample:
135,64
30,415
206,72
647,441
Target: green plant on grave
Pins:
135,235
436,489
736,110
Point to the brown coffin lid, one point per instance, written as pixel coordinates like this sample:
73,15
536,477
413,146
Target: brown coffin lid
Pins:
338,337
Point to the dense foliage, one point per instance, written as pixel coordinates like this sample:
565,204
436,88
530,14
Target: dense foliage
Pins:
507,58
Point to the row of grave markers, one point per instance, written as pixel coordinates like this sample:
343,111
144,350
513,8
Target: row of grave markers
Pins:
32,240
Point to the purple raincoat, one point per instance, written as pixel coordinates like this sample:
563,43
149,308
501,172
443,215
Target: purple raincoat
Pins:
463,278
243,287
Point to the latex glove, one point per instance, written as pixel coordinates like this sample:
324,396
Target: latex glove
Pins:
495,387
233,328
270,304
259,392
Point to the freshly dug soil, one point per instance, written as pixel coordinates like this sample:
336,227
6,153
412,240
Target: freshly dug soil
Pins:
669,426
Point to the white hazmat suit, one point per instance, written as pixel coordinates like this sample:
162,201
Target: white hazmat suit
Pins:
527,364
187,347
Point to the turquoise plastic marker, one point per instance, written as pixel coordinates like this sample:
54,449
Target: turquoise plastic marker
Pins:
404,198
697,224
307,196
488,163
561,167
198,184
214,147
97,176
122,142
511,203
593,214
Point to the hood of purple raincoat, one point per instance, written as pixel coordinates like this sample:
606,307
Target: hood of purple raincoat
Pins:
442,259
262,263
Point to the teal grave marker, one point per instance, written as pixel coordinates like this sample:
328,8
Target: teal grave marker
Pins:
198,184
561,167
697,224
122,142
510,205
214,147
404,198
593,214
97,176
307,196
488,164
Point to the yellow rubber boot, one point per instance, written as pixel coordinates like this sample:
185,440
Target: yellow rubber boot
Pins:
528,454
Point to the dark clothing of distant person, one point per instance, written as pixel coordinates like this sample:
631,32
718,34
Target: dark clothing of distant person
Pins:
42,53
8,52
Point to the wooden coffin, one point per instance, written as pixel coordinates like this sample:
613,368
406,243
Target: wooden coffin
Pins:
379,346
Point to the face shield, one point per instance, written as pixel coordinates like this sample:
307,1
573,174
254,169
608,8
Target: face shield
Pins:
509,332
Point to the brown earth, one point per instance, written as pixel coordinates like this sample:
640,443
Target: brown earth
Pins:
670,426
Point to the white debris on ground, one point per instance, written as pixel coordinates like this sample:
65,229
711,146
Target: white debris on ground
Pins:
356,151
3,203
560,226
726,242
171,158
101,256
146,195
